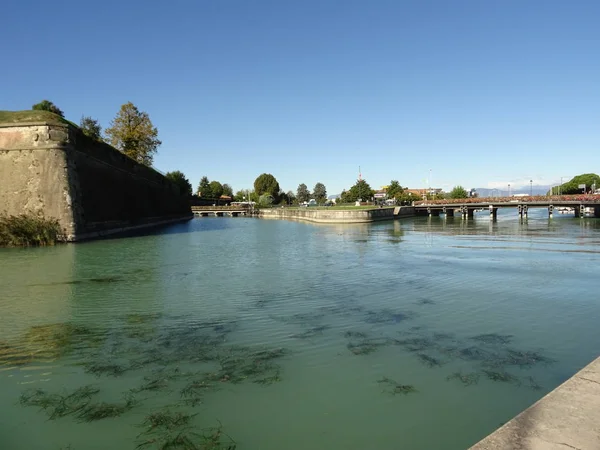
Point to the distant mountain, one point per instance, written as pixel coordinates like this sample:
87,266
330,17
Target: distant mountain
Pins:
537,190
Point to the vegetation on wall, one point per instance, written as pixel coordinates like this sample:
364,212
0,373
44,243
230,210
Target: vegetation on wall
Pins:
133,133
178,178
47,105
29,230
91,128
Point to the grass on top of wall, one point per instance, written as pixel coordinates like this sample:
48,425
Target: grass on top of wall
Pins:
31,116
29,230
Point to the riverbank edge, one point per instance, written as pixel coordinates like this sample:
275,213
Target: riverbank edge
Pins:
337,216
122,228
568,416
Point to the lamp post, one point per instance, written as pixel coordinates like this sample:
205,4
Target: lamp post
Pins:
509,189
531,188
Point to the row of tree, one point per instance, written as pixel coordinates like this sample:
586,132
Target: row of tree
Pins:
131,131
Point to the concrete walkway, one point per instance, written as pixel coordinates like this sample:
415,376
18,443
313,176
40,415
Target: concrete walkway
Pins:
566,418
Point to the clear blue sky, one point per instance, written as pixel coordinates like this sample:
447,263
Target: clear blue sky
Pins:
480,92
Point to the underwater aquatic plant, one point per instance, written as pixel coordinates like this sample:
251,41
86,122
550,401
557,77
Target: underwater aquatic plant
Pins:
502,377
493,338
355,334
312,332
104,410
468,379
387,316
395,388
429,361
99,369
167,420
56,405
417,344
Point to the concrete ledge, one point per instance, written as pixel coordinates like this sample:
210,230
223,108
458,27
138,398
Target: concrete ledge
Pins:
122,227
566,418
334,215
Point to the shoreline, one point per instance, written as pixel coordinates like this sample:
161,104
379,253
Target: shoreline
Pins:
339,216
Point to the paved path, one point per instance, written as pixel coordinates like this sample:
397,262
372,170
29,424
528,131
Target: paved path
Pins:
566,418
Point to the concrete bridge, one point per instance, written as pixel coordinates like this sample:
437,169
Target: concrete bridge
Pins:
521,206
220,211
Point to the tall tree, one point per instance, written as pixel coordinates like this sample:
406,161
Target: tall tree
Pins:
47,105
132,132
320,193
204,190
394,189
227,190
459,192
216,189
178,178
291,197
91,128
360,190
266,184
302,193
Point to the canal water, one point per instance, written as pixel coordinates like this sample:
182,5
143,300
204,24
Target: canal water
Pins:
424,333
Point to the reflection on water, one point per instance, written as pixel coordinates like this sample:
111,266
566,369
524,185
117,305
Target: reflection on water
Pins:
242,333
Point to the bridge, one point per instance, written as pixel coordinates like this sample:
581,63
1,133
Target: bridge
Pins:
219,211
579,204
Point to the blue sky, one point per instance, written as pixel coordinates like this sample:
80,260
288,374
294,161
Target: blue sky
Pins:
482,93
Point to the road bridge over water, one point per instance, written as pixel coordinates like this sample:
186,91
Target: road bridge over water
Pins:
219,211
578,204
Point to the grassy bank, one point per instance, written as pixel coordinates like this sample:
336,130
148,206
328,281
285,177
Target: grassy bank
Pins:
18,117
28,230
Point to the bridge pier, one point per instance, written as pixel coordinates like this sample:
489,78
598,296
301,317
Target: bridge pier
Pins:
579,211
449,212
470,212
597,211
493,213
550,210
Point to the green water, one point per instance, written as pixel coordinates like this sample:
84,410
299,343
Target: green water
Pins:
295,336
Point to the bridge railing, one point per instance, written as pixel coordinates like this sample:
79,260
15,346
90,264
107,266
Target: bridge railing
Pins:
220,208
528,199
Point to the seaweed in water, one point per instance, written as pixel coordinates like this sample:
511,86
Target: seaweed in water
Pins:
533,384
312,332
103,410
141,318
366,346
467,379
269,380
502,377
113,370
523,359
208,439
56,405
417,344
355,335
166,420
493,338
193,392
429,361
386,316
395,388
425,301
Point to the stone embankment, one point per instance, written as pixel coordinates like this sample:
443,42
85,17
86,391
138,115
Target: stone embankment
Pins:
331,215
568,417
51,168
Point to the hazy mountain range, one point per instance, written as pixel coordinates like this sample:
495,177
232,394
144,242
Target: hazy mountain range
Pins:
536,190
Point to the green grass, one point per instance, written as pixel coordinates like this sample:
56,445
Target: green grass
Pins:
17,117
28,230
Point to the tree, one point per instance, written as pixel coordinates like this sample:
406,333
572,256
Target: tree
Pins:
178,178
132,132
216,189
91,128
572,186
291,198
360,190
265,200
266,184
204,190
47,105
394,189
302,193
320,193
227,190
459,192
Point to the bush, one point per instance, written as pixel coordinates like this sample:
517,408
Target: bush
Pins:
28,230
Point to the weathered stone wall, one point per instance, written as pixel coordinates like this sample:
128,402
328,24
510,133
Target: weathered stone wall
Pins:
329,215
91,188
